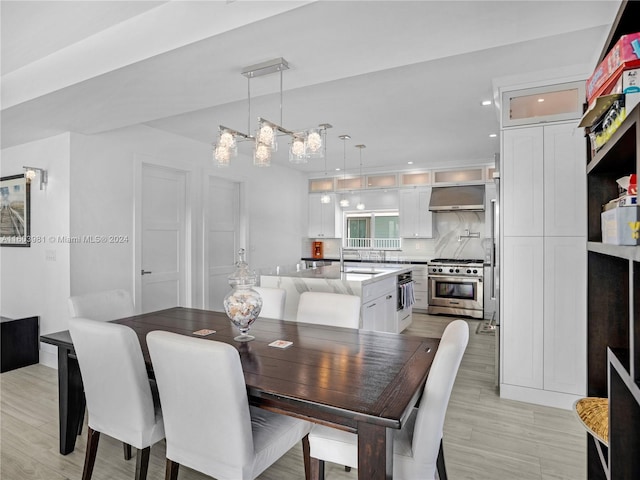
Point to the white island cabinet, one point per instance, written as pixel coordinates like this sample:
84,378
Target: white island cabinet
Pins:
379,302
376,286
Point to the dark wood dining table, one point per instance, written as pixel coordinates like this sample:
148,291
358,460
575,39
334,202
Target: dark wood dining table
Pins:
360,381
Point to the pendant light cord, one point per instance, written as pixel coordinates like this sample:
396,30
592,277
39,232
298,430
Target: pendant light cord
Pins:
249,105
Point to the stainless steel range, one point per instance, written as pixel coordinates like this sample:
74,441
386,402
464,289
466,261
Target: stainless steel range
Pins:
456,287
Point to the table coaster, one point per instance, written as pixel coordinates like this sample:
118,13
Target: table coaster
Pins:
280,344
204,332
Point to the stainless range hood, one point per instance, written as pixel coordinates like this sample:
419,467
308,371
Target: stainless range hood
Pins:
468,198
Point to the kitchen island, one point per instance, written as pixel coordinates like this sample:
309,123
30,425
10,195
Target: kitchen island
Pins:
376,285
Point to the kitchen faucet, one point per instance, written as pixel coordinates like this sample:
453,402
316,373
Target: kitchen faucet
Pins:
468,234
342,250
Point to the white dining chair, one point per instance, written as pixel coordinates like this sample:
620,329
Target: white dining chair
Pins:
324,308
417,446
210,426
120,400
273,300
105,305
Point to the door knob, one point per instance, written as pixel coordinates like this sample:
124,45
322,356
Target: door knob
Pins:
144,272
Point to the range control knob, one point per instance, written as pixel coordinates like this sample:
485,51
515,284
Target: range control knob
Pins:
451,270
457,270
468,271
475,271
440,270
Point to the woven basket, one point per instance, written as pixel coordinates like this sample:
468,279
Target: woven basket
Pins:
593,412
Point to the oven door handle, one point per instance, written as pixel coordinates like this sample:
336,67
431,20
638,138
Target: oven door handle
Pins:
442,278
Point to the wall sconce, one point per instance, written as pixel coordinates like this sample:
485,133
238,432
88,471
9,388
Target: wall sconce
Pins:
30,174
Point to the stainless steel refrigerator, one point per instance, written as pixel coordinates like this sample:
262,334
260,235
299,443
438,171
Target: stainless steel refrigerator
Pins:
495,265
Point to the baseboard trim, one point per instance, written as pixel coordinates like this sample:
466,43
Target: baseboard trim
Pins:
538,397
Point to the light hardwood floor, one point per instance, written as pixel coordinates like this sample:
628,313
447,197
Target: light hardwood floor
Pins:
485,437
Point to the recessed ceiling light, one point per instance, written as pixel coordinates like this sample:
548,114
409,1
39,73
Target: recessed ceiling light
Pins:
540,100
409,163
337,169
493,135
486,102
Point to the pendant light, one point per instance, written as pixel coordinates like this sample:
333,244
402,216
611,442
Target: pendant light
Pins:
344,203
360,205
325,197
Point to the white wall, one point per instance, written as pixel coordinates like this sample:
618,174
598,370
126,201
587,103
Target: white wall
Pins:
29,283
91,192
103,177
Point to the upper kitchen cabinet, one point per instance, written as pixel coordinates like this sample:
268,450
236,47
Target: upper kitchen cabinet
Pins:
565,187
542,181
522,181
542,104
416,221
325,219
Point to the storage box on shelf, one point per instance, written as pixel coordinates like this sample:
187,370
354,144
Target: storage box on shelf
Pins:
624,55
620,226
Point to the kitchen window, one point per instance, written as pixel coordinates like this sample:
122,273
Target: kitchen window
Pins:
377,229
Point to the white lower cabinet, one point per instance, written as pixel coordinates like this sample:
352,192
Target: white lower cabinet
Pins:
379,301
543,332
565,310
420,287
521,328
380,314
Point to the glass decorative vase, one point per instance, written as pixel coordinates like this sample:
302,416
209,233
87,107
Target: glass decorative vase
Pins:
242,304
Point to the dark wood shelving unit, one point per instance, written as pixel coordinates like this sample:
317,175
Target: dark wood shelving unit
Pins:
613,283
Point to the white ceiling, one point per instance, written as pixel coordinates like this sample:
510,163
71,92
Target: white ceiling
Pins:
405,78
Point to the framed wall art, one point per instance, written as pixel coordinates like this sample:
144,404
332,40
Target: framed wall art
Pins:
15,211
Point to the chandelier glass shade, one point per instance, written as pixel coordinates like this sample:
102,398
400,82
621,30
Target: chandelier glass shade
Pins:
262,155
297,150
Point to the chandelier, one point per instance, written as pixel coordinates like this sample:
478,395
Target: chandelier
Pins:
304,144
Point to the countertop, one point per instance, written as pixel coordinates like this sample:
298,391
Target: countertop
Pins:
357,260
377,262
363,275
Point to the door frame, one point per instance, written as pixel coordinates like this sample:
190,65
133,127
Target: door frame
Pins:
190,200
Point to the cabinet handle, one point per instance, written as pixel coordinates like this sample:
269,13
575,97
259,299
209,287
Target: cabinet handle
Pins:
389,296
372,305
144,272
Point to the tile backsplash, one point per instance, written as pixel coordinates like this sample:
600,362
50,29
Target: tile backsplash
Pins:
448,227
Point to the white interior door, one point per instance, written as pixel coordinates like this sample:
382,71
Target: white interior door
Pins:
222,238
163,236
